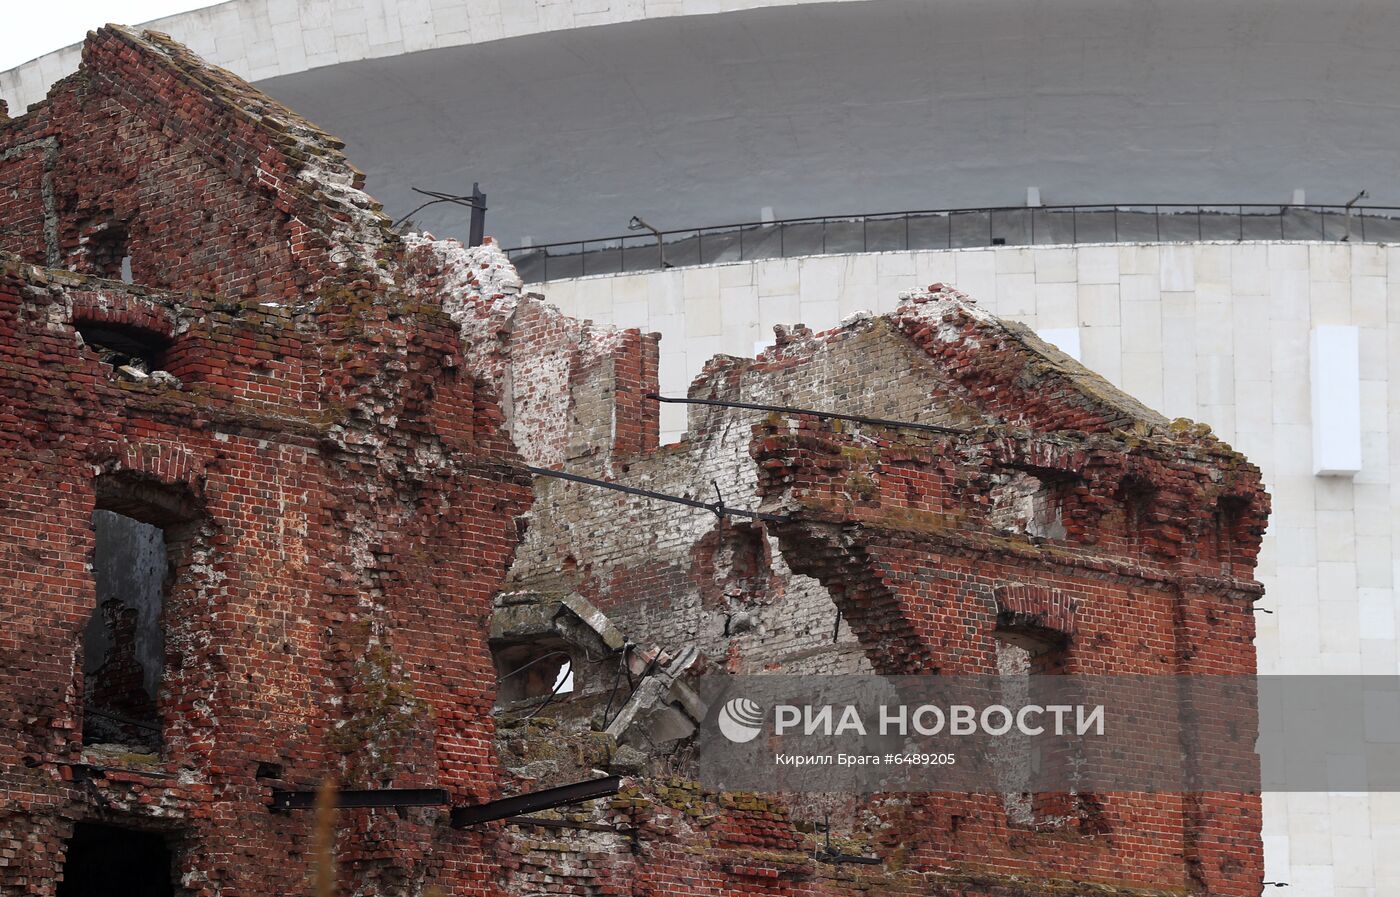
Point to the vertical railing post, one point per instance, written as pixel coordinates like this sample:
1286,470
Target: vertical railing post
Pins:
476,229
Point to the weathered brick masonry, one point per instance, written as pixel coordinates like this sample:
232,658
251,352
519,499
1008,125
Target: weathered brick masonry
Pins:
322,423
337,497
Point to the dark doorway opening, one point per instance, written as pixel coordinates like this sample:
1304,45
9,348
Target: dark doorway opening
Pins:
107,861
124,642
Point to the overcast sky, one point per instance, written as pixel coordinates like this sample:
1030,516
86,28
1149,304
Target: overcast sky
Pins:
29,28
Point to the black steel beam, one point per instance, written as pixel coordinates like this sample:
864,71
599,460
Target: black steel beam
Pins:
715,507
379,797
537,800
832,415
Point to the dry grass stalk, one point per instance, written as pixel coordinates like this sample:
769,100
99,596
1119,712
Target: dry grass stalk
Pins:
323,840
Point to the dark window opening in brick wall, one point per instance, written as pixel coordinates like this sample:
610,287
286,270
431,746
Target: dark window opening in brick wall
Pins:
532,670
107,861
147,534
133,352
1024,650
124,642
1026,504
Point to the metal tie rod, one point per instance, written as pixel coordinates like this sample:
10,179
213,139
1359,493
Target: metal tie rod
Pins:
833,415
714,507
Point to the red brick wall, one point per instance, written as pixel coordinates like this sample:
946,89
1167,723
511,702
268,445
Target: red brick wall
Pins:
900,531
346,495
219,188
334,580
340,494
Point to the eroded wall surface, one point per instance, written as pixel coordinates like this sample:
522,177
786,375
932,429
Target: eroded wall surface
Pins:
330,424
337,498
918,547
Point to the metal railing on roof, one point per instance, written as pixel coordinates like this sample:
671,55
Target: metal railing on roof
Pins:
956,229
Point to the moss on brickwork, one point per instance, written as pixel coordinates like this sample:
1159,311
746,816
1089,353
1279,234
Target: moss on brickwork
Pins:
381,711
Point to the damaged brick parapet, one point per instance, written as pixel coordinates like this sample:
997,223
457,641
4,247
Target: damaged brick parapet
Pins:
1129,544
1156,508
1008,372
571,391
253,200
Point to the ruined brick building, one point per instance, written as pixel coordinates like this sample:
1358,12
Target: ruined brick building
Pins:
266,520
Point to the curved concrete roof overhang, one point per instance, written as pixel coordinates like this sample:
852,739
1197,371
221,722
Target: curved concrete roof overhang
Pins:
833,108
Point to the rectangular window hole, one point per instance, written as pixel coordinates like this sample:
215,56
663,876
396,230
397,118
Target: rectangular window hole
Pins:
124,642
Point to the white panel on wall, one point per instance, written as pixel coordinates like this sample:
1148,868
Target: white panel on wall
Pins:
1336,401
1066,339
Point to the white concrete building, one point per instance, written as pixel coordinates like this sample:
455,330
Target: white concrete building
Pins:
576,115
